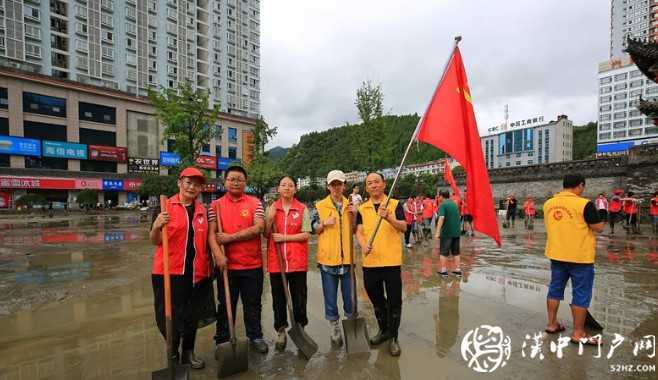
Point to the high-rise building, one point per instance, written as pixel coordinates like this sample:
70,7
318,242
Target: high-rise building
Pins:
620,82
630,18
130,45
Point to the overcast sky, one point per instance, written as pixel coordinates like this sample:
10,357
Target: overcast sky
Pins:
540,57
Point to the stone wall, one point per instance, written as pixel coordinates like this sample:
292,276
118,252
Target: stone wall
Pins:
637,172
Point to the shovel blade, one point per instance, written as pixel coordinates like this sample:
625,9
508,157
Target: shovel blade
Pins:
356,335
304,343
177,372
232,357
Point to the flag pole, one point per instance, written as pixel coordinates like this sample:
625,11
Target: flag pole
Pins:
406,152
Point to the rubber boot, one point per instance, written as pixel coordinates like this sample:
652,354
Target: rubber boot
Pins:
192,360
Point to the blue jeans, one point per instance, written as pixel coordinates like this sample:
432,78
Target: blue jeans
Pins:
330,291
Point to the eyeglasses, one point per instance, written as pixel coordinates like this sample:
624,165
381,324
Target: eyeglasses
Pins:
235,179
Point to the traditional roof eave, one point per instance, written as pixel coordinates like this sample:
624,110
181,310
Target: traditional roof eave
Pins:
645,56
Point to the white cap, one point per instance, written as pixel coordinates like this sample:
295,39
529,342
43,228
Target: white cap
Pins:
336,175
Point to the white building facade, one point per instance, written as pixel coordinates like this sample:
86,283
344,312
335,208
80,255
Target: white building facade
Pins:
131,45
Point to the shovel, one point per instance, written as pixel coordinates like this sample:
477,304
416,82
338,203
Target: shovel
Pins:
354,328
232,356
305,343
174,370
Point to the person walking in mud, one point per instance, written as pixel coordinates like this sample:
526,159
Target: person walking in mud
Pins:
186,221
571,224
653,212
447,235
242,220
512,204
614,210
631,207
334,227
529,210
382,260
288,223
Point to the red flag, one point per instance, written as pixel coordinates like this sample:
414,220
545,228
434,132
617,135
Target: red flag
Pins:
449,124
450,180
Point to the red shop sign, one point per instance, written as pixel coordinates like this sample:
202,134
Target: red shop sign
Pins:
37,183
132,184
4,199
108,153
89,183
207,162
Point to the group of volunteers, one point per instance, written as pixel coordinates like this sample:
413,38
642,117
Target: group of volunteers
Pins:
529,211
626,208
421,214
227,236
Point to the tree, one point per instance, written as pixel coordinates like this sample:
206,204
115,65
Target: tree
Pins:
87,197
189,119
263,172
369,101
30,200
584,141
154,185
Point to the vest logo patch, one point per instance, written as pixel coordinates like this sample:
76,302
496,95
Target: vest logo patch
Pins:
295,215
557,215
244,213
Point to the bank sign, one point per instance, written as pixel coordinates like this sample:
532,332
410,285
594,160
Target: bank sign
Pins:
531,122
19,146
143,165
169,159
60,149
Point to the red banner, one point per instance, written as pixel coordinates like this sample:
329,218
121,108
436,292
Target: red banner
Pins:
4,199
207,162
37,183
108,153
132,184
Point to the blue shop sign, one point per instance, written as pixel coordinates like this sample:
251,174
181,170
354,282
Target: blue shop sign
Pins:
169,159
113,184
62,149
224,162
20,146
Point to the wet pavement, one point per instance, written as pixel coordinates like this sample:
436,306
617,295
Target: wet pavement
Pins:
76,303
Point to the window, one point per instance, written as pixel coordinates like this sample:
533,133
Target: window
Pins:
621,96
606,99
81,28
108,52
108,69
130,43
131,28
619,115
32,31
604,127
108,36
31,13
153,64
171,56
635,74
132,75
619,125
634,113
33,50
604,136
619,106
153,35
621,86
81,45
232,136
232,152
81,12
172,42
605,108
130,12
619,134
83,63
635,122
635,132
97,113
621,76
636,83
45,105
652,90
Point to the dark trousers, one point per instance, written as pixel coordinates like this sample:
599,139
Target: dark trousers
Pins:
384,288
298,294
248,284
407,233
184,318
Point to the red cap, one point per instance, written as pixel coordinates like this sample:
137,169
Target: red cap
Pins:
192,172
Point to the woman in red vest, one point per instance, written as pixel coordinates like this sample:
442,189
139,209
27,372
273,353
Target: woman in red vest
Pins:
614,210
288,224
653,211
186,222
630,213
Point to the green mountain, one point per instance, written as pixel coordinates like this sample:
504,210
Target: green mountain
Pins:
584,141
377,145
277,153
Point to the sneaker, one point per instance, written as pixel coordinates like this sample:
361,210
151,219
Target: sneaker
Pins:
280,343
409,245
380,338
336,336
457,273
394,347
259,345
444,274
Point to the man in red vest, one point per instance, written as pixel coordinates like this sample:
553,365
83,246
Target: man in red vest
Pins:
242,220
653,211
614,210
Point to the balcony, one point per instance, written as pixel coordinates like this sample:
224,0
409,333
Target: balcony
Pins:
59,26
60,60
58,8
59,43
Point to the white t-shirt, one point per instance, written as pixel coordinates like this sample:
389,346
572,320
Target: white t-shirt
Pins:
356,199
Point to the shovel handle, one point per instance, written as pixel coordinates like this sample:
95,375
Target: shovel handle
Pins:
355,308
227,291
284,281
167,282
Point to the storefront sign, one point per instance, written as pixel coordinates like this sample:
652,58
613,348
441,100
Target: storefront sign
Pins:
207,162
143,165
224,162
37,183
61,149
112,184
108,153
88,183
169,159
132,184
4,199
20,146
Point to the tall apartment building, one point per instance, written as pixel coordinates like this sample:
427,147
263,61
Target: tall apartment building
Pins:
621,84
630,18
528,142
129,45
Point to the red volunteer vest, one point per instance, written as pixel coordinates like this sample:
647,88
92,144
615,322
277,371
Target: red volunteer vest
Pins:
237,215
615,204
177,231
654,207
294,253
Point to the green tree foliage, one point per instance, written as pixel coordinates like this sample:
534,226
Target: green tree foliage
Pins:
87,197
189,119
584,141
30,200
348,148
154,185
263,172
369,102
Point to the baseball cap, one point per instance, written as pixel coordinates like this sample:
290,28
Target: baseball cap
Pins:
192,172
336,175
